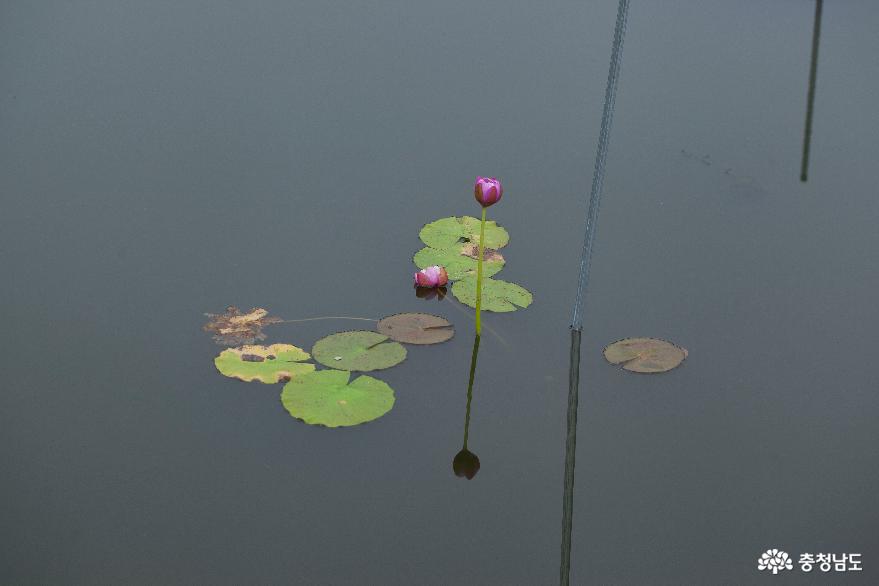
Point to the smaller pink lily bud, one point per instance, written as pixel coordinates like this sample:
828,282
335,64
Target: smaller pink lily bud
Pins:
434,276
488,191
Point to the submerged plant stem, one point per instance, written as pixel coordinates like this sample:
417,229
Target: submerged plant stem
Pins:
479,275
457,305
291,321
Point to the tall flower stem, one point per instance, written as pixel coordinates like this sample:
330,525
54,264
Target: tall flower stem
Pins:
479,275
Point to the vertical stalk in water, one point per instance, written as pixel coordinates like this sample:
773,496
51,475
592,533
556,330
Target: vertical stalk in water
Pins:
479,276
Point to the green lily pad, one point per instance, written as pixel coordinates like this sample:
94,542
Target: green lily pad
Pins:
416,328
457,261
267,364
497,295
646,355
326,398
447,232
358,350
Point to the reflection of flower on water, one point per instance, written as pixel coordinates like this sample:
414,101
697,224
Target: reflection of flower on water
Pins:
430,292
465,464
775,560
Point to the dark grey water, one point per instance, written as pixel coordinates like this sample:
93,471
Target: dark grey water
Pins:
159,160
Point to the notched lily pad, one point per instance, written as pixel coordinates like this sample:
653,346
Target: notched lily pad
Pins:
458,262
326,398
646,355
447,232
358,350
233,327
416,328
497,295
268,364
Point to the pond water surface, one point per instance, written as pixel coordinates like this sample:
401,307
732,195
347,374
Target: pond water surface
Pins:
162,160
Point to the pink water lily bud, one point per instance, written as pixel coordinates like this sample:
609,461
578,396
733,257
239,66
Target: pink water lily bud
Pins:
434,276
488,191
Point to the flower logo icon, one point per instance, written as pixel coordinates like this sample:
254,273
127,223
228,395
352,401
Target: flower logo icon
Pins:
775,560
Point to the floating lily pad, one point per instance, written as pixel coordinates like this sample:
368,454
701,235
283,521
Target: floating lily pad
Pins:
234,327
497,295
326,398
416,328
457,262
267,364
447,232
647,355
358,350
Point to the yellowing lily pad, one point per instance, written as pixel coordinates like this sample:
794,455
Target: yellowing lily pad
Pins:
416,328
646,355
267,364
497,295
358,350
447,232
326,398
458,262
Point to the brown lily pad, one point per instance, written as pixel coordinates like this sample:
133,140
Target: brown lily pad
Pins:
645,355
471,249
233,327
416,328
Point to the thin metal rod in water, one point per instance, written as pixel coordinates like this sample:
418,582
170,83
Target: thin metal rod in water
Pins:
810,99
570,458
610,93
613,75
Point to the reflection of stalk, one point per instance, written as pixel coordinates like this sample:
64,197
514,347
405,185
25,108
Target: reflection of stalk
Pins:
479,278
470,388
570,457
466,463
810,97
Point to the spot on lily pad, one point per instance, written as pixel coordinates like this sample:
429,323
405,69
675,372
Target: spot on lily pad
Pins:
416,328
358,350
326,398
447,232
267,364
234,327
645,355
497,295
459,260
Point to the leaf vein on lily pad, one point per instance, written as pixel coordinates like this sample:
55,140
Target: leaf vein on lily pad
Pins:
447,232
645,355
458,262
325,397
416,328
497,295
358,350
